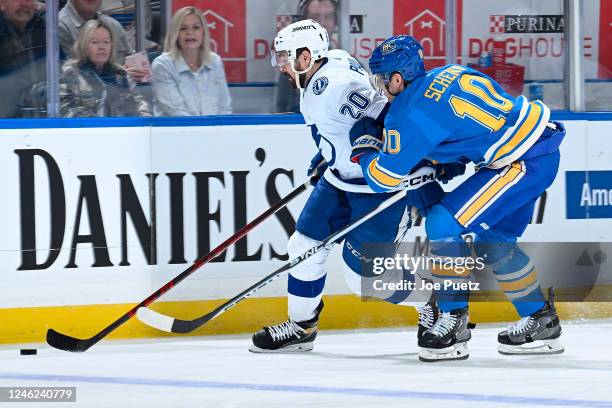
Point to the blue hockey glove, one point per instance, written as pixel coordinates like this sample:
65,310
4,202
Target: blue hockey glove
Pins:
317,167
447,171
423,191
365,136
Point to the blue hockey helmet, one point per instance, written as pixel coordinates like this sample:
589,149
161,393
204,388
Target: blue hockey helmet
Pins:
402,54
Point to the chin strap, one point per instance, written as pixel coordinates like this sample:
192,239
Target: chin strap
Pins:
298,74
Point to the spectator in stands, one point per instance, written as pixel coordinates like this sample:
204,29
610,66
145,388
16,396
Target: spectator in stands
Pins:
22,55
188,78
92,83
324,12
76,12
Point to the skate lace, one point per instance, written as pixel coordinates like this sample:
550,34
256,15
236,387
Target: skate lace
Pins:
444,325
285,330
521,326
426,316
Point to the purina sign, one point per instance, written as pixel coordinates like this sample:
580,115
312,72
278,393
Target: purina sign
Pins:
516,24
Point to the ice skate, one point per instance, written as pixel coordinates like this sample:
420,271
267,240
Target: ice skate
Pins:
287,337
428,315
447,339
535,334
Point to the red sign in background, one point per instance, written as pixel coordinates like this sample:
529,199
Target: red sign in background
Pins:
605,40
425,21
227,28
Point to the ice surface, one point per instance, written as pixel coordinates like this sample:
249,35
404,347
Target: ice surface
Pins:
346,369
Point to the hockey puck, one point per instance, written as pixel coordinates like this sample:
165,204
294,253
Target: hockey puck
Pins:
28,352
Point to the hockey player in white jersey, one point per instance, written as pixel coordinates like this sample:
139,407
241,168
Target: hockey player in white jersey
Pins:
335,93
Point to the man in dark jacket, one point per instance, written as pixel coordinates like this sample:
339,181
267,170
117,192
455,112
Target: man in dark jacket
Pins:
22,56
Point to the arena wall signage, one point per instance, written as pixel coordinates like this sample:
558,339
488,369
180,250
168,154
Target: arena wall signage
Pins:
104,216
242,32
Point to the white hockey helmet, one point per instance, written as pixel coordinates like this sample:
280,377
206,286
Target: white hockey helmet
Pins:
301,34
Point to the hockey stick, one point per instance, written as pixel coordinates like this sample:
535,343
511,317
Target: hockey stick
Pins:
69,343
172,325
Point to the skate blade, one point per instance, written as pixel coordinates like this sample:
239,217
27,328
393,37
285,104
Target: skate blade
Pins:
294,348
459,351
538,347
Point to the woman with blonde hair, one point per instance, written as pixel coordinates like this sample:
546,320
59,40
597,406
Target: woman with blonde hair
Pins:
92,83
188,78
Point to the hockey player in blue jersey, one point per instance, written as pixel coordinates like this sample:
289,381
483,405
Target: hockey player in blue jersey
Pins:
335,92
455,113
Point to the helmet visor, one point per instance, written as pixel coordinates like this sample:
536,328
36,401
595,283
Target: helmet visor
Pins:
279,58
379,81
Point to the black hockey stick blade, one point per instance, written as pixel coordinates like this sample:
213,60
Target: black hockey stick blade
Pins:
187,326
68,343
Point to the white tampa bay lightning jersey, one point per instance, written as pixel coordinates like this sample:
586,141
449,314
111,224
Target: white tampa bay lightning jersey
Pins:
336,96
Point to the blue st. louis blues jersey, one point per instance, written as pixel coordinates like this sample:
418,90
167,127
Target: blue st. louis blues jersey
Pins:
454,113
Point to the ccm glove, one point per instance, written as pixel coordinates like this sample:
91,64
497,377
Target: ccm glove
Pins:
423,191
317,167
365,136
